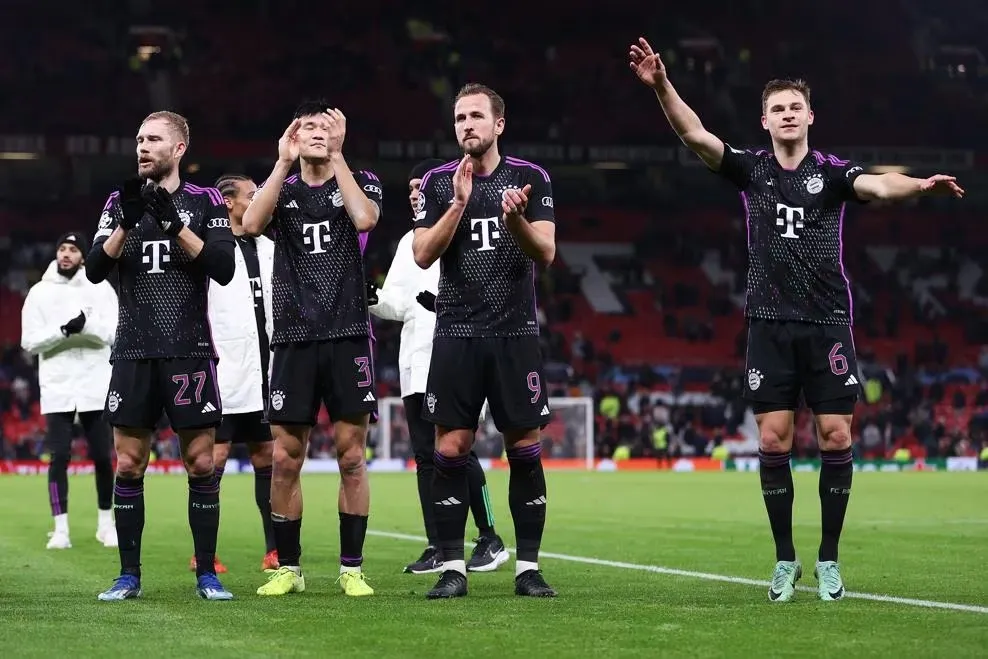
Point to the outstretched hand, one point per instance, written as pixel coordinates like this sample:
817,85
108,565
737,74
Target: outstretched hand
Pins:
288,144
337,129
161,207
646,64
514,202
132,202
463,181
942,184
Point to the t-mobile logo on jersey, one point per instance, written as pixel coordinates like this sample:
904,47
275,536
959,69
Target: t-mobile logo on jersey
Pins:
156,255
317,236
790,218
488,232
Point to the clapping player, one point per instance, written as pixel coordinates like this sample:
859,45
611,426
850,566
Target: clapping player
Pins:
321,341
489,220
408,296
167,239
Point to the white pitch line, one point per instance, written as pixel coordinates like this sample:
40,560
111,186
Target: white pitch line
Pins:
707,576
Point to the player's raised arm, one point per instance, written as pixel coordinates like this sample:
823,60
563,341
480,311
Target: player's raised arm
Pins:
649,68
893,186
262,206
362,199
434,229
122,212
529,216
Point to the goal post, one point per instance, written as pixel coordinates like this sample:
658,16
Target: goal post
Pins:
567,440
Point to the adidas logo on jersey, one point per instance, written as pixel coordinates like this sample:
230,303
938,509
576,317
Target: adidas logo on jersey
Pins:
545,410
851,381
369,398
292,204
208,408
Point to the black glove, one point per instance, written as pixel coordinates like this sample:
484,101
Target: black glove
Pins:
132,203
161,207
427,300
371,293
75,325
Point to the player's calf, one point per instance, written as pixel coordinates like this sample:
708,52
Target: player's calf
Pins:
288,455
836,475
261,456
350,436
527,500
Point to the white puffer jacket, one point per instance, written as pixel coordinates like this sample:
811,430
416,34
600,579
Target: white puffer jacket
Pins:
74,371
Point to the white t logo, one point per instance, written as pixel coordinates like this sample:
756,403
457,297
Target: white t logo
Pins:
488,231
789,217
317,236
155,258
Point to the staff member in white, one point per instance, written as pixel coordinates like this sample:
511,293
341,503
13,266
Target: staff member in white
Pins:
240,318
409,296
70,324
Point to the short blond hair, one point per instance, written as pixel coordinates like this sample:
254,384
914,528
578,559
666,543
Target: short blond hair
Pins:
177,122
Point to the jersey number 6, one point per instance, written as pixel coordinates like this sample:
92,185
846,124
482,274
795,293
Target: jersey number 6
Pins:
838,363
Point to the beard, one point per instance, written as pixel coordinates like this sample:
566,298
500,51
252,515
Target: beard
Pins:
477,148
69,272
159,170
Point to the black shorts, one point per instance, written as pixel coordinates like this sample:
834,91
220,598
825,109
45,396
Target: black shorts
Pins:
185,390
338,372
246,428
505,371
787,358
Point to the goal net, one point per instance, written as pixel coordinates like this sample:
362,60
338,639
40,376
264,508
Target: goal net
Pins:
567,441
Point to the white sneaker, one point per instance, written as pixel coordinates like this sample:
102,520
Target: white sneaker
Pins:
107,534
58,540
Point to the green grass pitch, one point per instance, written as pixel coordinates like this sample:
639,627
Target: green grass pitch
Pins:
922,537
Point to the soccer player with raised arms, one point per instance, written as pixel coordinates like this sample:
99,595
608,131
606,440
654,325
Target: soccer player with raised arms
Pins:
167,239
488,218
321,339
798,306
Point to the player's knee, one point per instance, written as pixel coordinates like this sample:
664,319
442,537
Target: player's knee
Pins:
286,463
130,465
774,438
199,464
351,460
261,455
454,443
60,459
835,435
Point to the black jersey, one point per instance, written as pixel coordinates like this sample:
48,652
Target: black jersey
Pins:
319,291
162,295
486,282
795,224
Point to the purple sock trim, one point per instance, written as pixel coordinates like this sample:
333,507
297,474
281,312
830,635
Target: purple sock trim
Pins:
837,458
526,453
774,459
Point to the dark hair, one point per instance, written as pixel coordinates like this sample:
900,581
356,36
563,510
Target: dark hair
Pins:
785,84
227,184
475,88
311,107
